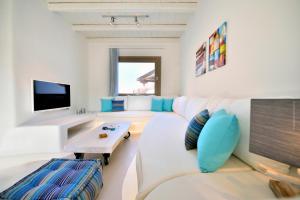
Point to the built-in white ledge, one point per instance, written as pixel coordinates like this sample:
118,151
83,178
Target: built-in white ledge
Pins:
48,136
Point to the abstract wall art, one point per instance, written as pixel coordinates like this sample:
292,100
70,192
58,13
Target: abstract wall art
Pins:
217,48
201,60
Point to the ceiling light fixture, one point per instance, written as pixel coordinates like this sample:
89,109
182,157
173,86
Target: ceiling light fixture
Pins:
136,18
112,20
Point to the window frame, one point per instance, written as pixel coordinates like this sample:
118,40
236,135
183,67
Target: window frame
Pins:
145,59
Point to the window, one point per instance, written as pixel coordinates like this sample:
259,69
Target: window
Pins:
139,75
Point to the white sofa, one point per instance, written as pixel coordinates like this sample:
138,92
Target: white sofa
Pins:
165,170
137,111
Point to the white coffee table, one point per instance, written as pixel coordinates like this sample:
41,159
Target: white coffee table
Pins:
89,141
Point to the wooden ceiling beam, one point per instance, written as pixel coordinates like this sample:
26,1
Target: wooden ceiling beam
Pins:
122,1
133,27
124,7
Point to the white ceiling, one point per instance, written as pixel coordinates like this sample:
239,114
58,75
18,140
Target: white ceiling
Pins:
167,18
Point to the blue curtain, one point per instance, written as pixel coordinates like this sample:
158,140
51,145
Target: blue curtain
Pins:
113,71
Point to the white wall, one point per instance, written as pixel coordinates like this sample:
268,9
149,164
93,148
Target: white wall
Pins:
36,44
262,48
45,48
7,112
98,78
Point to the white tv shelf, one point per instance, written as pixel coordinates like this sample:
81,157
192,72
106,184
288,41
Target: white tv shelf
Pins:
48,136
67,121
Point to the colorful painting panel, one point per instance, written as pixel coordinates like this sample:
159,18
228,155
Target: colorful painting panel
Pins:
217,48
201,60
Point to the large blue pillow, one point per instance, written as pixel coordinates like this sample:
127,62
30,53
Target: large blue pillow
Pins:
219,113
217,141
194,129
157,105
117,105
106,105
168,105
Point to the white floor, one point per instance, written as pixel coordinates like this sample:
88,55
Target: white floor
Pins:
114,173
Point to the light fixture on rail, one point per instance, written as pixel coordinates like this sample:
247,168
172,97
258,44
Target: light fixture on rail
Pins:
136,19
112,20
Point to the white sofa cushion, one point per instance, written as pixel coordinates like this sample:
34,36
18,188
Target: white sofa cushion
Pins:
179,105
139,102
212,104
241,108
216,186
193,107
126,114
223,104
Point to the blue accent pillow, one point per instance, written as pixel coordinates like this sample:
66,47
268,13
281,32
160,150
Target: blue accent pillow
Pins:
194,129
157,105
219,113
217,141
106,105
168,105
117,105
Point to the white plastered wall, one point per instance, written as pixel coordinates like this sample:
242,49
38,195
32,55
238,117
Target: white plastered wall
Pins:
262,49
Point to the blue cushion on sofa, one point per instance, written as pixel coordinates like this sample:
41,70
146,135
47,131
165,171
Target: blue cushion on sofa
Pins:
106,105
219,113
157,105
194,129
168,105
217,141
117,105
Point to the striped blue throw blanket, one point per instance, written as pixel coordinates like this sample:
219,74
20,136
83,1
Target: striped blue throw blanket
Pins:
59,179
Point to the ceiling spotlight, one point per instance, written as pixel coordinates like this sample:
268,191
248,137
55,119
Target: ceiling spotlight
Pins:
136,20
112,21
114,18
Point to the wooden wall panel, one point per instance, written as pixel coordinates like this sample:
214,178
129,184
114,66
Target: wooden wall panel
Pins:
275,129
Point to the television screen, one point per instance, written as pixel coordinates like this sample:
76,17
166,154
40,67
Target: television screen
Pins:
49,95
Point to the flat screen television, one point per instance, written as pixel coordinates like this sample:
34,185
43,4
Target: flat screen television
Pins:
48,95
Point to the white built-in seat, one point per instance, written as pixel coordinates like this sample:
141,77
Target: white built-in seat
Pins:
137,111
217,186
126,114
162,157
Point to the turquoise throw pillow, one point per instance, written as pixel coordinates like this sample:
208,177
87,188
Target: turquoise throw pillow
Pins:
194,129
106,105
217,141
168,105
157,105
219,113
